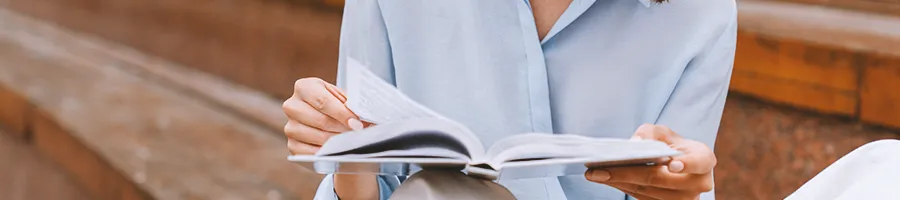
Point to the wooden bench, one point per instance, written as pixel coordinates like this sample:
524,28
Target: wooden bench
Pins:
25,174
888,7
824,59
264,44
122,127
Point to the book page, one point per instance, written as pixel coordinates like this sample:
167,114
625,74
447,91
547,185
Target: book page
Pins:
533,146
416,138
376,101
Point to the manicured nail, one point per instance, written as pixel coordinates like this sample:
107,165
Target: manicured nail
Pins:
355,124
599,175
676,166
636,138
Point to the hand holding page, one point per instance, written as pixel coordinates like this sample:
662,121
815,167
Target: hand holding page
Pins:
407,132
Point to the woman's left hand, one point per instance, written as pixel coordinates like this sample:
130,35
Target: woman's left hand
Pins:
684,177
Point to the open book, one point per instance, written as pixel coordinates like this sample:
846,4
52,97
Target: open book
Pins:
409,133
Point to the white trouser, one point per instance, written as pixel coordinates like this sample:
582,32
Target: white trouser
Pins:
869,172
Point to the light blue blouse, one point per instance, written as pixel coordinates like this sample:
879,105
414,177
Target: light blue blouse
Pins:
605,68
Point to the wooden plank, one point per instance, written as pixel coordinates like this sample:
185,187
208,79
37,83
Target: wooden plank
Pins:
812,57
880,96
840,29
890,7
334,3
98,177
14,113
258,43
796,61
803,95
801,74
25,174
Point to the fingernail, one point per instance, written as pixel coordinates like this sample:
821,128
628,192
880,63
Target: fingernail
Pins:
636,138
599,175
355,124
676,166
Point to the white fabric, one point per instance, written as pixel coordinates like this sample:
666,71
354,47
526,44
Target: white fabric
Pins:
869,172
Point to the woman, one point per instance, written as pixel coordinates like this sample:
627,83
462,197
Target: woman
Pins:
595,68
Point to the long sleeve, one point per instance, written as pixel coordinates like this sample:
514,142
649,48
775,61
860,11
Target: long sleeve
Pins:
695,107
364,38
694,110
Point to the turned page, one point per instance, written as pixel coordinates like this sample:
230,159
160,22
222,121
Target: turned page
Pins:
415,138
376,101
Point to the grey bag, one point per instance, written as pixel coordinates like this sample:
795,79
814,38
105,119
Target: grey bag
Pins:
449,184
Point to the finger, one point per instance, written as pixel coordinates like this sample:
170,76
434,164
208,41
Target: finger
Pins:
334,90
302,112
655,132
316,94
652,192
355,124
299,148
302,133
656,176
697,158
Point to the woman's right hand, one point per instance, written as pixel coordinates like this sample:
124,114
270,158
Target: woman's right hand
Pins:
316,111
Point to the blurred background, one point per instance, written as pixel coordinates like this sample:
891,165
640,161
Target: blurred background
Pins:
175,99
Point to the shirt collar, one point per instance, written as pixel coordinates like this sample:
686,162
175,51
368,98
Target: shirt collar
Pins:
646,3
575,9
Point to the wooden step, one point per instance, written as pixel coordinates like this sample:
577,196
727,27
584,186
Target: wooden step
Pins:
123,132
264,44
887,7
25,174
819,58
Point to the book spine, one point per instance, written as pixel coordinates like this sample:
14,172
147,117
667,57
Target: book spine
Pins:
481,173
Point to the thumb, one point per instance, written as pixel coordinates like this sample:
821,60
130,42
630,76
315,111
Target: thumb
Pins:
697,158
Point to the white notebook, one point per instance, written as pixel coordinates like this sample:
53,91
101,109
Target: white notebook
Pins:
409,133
